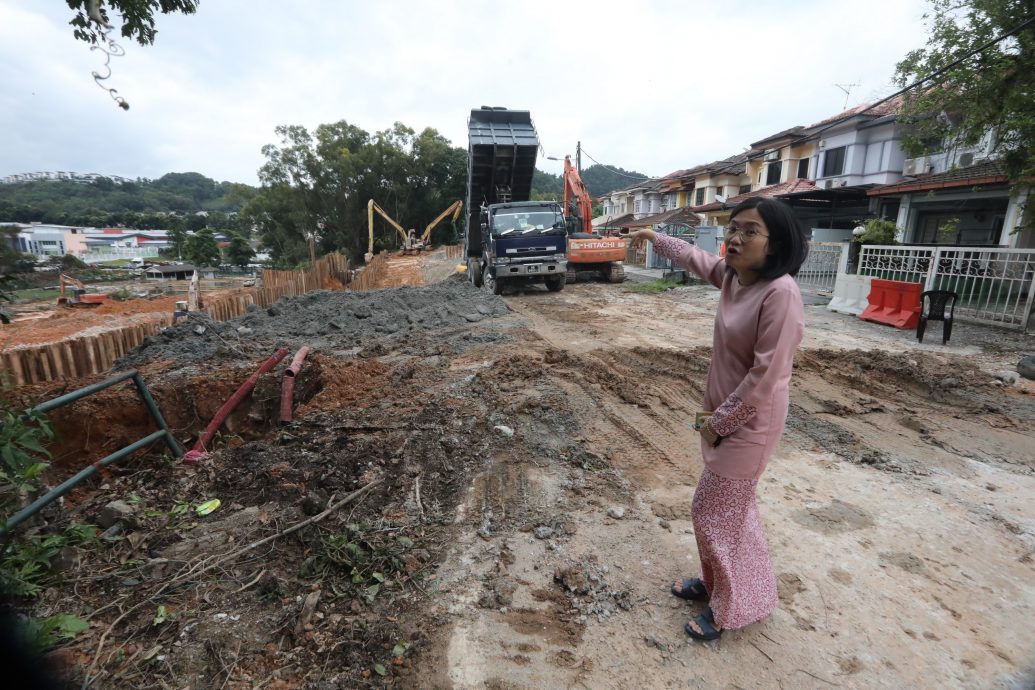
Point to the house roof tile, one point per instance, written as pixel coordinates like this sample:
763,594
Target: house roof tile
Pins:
772,191
676,215
795,131
987,173
890,107
615,222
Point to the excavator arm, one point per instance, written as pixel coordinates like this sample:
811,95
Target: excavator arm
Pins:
585,248
64,280
77,298
371,208
574,187
455,208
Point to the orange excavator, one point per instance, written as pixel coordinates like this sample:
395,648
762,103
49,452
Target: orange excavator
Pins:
76,296
587,250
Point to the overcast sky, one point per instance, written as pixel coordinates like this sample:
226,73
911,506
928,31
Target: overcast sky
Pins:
648,86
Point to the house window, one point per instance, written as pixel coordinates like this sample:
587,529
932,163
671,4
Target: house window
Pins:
803,168
834,162
718,189
699,198
745,188
636,207
773,173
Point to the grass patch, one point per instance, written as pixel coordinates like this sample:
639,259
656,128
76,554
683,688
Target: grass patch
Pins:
35,294
654,286
126,263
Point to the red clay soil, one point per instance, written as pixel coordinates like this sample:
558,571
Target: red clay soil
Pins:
402,270
64,322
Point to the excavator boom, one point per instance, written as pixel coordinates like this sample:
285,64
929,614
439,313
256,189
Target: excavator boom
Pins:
574,187
586,249
455,208
372,206
76,296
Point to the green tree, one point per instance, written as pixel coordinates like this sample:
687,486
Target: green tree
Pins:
878,231
240,252
138,16
328,175
105,202
546,186
11,260
601,180
989,91
201,249
177,228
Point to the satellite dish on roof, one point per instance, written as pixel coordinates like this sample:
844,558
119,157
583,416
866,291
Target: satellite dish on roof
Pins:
720,199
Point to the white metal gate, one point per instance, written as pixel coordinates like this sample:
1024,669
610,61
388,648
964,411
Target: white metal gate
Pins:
995,286
825,260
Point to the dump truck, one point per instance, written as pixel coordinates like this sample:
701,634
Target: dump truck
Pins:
508,239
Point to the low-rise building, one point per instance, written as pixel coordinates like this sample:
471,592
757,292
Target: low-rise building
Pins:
178,272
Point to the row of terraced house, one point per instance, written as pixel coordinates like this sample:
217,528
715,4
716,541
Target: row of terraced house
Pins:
837,173
961,224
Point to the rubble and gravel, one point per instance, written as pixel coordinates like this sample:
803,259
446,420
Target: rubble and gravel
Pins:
325,321
591,592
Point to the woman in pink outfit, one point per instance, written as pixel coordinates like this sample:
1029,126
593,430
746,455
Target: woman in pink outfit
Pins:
758,327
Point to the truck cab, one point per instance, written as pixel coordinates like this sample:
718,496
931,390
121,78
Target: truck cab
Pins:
523,242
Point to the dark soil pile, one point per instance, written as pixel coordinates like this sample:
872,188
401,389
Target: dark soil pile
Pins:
324,320
339,603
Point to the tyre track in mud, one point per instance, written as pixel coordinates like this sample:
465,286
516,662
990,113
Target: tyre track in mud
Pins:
652,441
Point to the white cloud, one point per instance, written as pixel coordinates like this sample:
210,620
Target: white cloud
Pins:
652,86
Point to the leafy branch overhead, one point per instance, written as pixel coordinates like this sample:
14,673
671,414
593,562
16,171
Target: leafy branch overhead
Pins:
137,17
990,91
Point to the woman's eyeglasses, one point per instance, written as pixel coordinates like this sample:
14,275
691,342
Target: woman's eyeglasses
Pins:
746,232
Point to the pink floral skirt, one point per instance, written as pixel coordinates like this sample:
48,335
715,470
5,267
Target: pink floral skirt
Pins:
735,563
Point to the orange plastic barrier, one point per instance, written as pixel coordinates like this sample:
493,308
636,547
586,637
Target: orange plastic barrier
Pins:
893,302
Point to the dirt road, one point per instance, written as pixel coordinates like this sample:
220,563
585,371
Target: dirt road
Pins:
538,469
898,510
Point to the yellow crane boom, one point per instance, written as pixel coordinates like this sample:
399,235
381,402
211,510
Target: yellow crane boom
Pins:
372,206
453,208
409,239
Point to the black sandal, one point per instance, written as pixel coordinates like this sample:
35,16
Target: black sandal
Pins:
692,589
706,622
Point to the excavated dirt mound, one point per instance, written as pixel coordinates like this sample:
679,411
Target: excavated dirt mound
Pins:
325,321
335,604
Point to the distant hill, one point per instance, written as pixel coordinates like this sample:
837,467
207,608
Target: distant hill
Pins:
104,200
599,180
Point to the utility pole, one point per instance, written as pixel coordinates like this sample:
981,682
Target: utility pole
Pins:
578,157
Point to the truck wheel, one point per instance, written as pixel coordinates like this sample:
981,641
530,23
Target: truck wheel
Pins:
491,282
616,274
555,283
474,269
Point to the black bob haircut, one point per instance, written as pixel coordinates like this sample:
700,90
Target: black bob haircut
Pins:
787,238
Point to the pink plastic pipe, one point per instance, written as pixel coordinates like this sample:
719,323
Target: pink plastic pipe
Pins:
199,451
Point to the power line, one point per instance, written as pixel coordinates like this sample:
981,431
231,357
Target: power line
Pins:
1006,34
1020,27
641,178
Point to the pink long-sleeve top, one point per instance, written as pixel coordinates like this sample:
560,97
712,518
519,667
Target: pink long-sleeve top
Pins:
757,329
